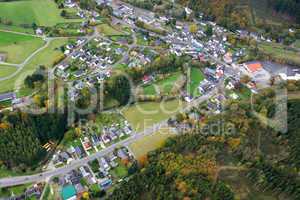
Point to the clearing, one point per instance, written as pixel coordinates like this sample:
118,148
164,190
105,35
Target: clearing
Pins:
45,57
145,114
18,47
149,143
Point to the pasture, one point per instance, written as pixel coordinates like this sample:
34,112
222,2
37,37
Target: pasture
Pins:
6,70
45,57
43,13
163,86
145,114
18,47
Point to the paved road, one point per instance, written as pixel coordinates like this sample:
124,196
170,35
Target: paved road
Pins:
12,181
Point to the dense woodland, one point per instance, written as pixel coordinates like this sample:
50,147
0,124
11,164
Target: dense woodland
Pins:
290,7
22,137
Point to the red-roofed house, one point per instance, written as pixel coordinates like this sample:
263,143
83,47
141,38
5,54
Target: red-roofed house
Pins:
253,67
147,79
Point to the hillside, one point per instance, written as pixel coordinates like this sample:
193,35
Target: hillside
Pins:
251,164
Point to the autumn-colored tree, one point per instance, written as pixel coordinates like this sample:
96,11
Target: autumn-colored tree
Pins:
143,160
193,28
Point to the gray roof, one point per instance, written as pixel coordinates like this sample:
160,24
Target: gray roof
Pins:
7,96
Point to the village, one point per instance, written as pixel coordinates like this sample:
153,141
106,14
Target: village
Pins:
93,60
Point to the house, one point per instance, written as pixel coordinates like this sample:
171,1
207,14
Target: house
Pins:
69,193
147,79
63,67
84,172
188,11
290,74
7,96
146,19
87,144
39,31
79,73
106,182
121,154
228,58
253,67
104,164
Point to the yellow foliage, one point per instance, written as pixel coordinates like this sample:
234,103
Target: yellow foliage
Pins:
86,196
234,143
4,125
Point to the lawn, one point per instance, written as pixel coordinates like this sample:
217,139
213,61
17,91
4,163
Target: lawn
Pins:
108,30
297,44
149,143
6,70
280,52
164,86
18,47
120,171
143,115
196,76
43,13
16,190
46,57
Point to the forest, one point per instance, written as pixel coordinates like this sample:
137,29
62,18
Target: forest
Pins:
290,7
22,137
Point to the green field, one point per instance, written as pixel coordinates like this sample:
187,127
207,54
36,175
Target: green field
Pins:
41,12
6,70
196,76
108,30
18,47
280,52
46,57
297,44
143,115
163,86
149,143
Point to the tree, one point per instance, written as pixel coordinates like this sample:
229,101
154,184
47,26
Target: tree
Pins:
193,28
209,30
120,89
63,13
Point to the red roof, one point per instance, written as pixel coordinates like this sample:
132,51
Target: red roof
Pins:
146,78
254,67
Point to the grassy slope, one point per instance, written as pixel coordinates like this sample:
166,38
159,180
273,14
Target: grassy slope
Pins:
18,47
196,76
44,13
165,85
45,57
149,143
142,115
108,30
6,70
280,51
